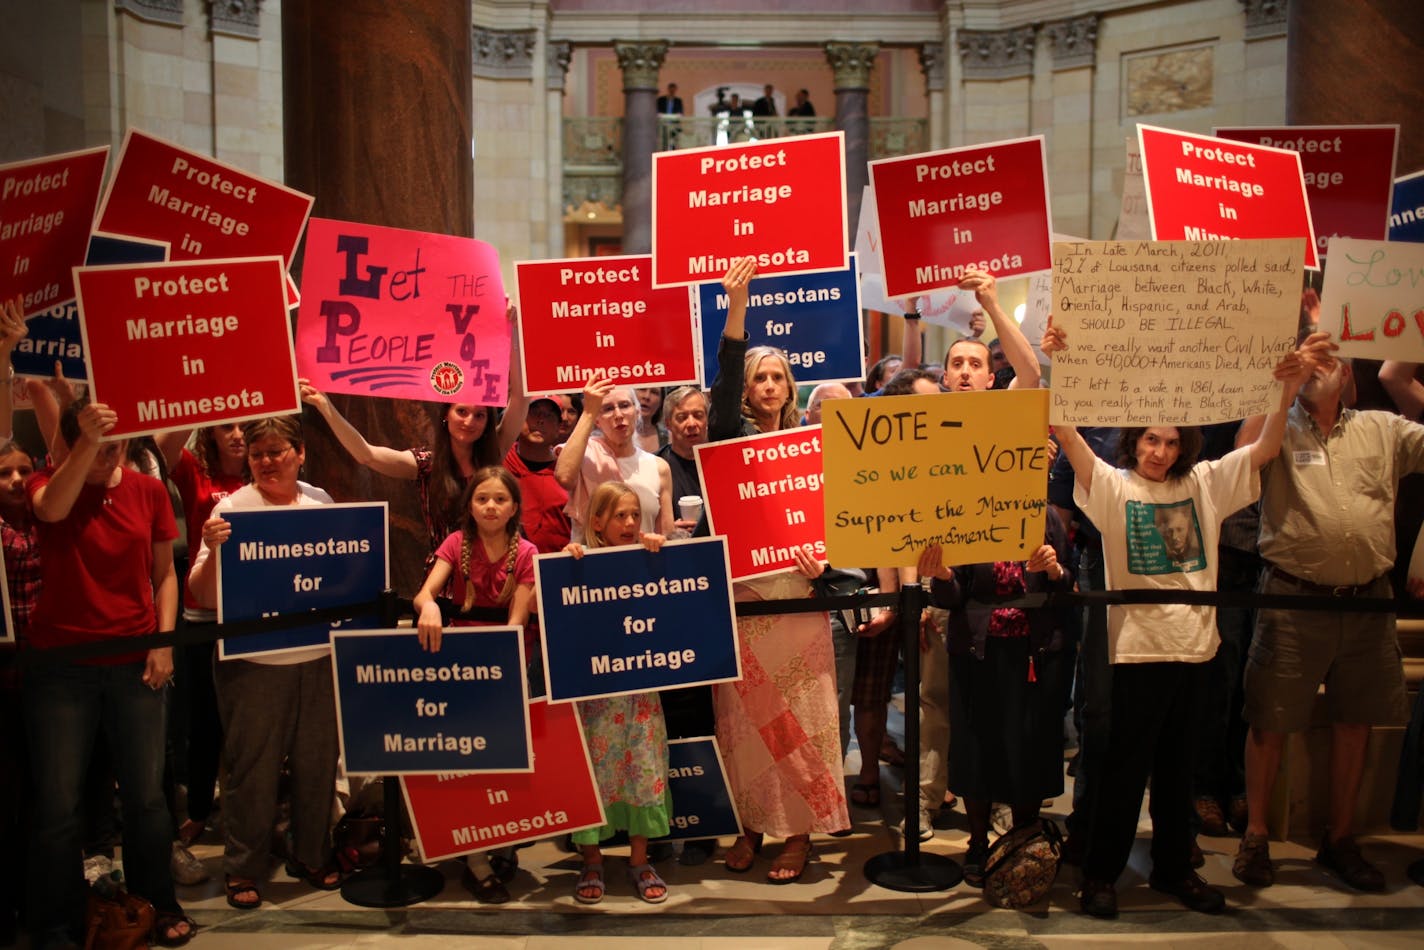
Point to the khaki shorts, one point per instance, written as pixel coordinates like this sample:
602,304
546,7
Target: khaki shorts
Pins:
1356,656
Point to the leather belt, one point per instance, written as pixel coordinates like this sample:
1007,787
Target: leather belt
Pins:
1328,590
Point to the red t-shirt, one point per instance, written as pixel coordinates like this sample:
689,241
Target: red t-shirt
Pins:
199,493
97,564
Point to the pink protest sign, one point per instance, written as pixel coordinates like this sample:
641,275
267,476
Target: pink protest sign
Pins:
1201,188
457,814
46,208
764,493
781,201
1348,171
602,314
402,314
942,213
203,207
187,344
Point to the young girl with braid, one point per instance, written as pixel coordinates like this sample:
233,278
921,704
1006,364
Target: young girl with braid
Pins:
485,563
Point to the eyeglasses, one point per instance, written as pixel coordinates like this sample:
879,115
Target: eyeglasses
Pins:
610,408
276,456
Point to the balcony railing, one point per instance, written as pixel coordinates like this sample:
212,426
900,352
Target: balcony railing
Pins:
593,145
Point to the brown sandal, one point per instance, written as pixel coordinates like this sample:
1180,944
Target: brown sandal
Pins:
741,855
793,857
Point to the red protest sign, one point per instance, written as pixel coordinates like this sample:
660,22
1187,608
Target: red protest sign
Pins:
941,213
204,208
187,344
458,814
1348,171
764,493
46,208
602,314
781,200
1201,188
402,314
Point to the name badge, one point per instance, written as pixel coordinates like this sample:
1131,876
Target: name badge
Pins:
1308,457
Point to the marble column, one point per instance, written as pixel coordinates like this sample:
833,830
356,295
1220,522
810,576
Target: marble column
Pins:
851,64
932,64
377,109
557,56
1354,64
640,63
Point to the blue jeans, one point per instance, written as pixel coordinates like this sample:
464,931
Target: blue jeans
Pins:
65,707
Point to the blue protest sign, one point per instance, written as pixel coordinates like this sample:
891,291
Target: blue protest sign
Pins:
403,710
290,560
702,805
626,620
815,318
1406,210
54,334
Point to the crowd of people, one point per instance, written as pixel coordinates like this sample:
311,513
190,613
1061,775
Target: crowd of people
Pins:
1194,701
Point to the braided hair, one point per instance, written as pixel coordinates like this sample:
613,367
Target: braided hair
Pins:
470,532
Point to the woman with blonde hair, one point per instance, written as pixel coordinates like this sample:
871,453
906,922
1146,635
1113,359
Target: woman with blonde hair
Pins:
627,738
787,782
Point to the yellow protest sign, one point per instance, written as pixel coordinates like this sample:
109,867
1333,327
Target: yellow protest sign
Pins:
968,471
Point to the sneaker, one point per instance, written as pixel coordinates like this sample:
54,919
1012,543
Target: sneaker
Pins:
1237,813
1344,858
1253,861
1194,893
185,866
1098,899
926,825
974,860
1213,820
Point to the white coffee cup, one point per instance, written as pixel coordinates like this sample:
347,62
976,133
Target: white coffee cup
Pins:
691,507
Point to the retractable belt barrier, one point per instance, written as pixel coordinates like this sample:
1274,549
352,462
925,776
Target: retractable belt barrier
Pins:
210,633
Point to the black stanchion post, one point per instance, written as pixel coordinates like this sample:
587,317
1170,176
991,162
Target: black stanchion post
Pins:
392,883
912,870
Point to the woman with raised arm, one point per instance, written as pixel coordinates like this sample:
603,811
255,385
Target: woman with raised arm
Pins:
1160,516
779,726
589,460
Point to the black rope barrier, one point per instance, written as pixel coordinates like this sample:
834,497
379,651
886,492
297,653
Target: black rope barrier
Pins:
858,601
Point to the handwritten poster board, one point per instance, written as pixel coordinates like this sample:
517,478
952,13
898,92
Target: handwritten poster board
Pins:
210,337
602,314
1372,302
1202,188
402,710
1133,221
982,206
46,208
458,813
781,200
1348,172
626,620
763,493
1172,332
402,314
1406,216
815,318
204,208
965,470
293,559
